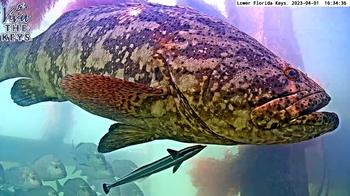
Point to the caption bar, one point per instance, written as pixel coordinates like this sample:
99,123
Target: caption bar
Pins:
293,3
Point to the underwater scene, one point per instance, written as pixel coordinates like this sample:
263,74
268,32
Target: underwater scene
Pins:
172,98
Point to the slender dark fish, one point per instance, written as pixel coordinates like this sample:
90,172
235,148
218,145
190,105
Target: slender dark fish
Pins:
176,158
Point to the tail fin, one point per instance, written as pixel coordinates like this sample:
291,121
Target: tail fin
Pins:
4,53
12,59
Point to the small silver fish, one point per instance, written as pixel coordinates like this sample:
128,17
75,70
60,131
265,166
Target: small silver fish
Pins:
131,189
91,163
94,172
49,168
123,167
40,191
75,186
22,178
86,153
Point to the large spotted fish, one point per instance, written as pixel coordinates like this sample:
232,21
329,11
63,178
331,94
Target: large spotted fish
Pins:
167,73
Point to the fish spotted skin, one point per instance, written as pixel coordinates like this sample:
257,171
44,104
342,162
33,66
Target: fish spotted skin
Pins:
168,73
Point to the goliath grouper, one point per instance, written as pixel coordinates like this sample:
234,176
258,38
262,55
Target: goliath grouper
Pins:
167,73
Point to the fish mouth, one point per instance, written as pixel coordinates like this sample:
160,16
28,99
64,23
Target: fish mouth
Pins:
62,174
298,110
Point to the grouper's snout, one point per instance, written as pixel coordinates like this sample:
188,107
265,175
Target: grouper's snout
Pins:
295,118
281,110
299,96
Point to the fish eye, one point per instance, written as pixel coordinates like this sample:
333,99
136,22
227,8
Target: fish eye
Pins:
291,74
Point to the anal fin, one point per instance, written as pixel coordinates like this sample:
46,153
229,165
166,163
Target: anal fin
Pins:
176,167
122,135
25,92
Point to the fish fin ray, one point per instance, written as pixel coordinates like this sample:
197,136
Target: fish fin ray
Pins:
76,169
123,136
95,93
26,92
59,186
176,167
174,154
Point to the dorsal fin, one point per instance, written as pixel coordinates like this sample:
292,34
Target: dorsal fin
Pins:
173,153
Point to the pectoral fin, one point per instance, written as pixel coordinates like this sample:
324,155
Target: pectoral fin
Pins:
114,127
25,92
121,135
105,95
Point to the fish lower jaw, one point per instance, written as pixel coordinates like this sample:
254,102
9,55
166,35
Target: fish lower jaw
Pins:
305,127
294,118
317,119
284,110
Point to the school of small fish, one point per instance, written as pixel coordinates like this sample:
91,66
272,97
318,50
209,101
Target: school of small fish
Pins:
33,179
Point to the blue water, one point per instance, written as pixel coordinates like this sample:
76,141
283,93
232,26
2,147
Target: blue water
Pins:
323,37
